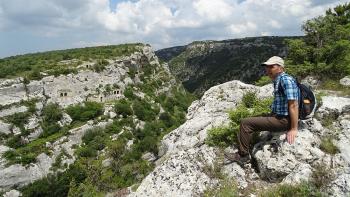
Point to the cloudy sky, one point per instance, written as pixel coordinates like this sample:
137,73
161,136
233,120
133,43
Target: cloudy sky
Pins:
41,25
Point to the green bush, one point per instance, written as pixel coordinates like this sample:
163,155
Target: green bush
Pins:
19,119
14,142
129,93
52,113
220,136
144,111
249,99
300,190
87,111
263,81
123,107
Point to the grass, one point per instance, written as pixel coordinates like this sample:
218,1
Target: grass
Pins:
27,154
285,190
227,188
328,146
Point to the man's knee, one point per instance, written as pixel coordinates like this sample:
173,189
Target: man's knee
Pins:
245,121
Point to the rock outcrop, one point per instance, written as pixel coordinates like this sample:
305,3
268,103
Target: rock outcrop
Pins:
182,169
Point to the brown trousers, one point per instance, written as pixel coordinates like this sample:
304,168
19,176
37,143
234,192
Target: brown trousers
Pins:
250,125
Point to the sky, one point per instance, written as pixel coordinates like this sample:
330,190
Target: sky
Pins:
42,25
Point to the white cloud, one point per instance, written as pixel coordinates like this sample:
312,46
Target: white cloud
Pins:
161,23
213,10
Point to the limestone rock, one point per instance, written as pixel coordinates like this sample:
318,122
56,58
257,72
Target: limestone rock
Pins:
181,174
12,110
129,144
66,120
276,158
12,193
33,123
16,130
333,103
341,186
345,81
35,134
302,173
5,128
12,94
311,81
149,157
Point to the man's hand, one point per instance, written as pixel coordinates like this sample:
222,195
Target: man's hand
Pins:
291,134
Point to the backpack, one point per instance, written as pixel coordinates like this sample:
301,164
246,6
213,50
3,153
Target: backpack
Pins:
307,101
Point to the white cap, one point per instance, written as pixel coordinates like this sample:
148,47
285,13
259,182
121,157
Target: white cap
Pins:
274,60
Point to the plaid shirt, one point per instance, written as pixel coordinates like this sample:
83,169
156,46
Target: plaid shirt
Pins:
288,90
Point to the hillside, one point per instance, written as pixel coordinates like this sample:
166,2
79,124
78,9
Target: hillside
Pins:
94,130
201,65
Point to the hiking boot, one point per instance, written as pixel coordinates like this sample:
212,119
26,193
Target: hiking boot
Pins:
236,157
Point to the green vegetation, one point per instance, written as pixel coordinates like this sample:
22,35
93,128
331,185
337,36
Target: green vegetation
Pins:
325,50
227,135
300,190
123,107
85,111
88,176
263,81
30,65
328,146
227,188
51,114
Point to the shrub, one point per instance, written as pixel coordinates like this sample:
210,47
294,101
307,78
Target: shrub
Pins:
85,112
52,113
123,107
263,81
144,111
14,142
128,93
220,136
19,119
49,128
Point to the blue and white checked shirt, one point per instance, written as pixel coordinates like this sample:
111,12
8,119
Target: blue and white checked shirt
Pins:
290,92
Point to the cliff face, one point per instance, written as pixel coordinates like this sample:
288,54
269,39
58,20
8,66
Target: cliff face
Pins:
201,65
188,166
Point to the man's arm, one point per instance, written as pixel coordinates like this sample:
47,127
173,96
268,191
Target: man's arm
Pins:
293,115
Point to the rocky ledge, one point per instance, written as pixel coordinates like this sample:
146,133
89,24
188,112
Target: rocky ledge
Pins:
182,169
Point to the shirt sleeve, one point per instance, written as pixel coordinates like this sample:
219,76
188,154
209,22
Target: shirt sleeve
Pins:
290,88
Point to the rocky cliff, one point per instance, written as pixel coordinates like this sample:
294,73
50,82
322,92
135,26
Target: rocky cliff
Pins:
201,65
187,165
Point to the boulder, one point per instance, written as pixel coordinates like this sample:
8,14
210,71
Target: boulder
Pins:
12,193
181,174
65,120
345,81
33,123
149,157
276,158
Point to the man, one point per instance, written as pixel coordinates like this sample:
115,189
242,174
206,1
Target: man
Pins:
284,116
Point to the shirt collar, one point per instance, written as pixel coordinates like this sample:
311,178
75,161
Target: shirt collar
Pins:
278,77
